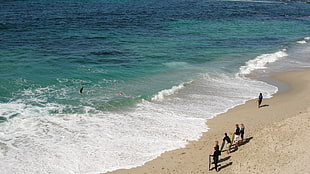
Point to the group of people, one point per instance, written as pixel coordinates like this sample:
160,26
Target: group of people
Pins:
236,139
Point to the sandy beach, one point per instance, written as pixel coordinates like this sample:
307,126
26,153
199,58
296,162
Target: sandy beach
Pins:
277,137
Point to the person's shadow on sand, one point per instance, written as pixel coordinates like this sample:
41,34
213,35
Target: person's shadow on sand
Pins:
247,140
234,148
264,106
224,166
224,159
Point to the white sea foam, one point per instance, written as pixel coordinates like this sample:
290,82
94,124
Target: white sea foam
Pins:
91,143
301,42
260,62
166,92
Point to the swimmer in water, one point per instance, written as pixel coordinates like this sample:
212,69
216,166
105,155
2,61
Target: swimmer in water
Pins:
81,90
119,94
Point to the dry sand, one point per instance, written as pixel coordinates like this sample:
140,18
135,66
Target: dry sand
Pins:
277,137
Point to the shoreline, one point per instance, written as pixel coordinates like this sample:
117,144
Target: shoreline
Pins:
290,101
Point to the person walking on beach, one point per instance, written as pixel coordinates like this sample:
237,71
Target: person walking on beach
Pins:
260,100
242,132
228,143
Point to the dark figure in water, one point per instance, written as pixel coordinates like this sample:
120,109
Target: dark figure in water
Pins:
81,90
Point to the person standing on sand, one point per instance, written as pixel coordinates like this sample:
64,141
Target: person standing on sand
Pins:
242,132
217,145
228,143
216,155
260,99
237,133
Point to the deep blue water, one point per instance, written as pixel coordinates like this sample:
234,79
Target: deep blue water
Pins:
162,55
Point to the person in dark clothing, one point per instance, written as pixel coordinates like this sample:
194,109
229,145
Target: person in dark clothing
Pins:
81,90
228,143
237,134
242,132
216,155
217,147
260,100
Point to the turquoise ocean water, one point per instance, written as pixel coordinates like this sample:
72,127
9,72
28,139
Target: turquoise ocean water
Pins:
177,63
